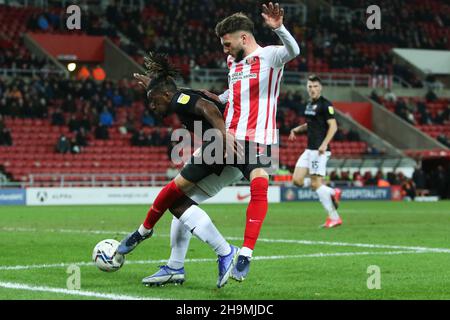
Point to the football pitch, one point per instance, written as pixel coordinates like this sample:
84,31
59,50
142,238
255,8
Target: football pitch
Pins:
384,250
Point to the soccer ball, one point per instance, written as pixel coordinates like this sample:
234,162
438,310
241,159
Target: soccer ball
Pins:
106,257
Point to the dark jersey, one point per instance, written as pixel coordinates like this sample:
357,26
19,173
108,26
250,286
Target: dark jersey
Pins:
317,114
183,104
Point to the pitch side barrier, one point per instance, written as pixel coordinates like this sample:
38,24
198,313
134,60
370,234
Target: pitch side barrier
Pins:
348,193
12,197
137,195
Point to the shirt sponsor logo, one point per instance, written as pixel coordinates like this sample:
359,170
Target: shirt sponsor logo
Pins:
238,76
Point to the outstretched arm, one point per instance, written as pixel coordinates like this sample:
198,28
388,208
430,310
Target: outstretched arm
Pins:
273,18
214,117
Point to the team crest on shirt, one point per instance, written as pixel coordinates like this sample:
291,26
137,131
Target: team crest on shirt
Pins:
183,98
251,60
330,110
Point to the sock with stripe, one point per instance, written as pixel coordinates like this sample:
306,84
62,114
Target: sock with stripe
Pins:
166,197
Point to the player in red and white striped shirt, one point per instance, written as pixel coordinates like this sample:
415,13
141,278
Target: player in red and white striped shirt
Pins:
254,84
253,87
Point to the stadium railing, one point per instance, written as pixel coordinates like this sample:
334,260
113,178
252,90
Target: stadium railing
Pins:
29,72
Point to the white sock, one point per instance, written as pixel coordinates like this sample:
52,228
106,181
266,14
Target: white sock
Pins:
306,182
247,252
330,190
143,231
179,244
200,225
325,198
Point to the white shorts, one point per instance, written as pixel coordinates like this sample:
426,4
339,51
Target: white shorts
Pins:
317,164
209,186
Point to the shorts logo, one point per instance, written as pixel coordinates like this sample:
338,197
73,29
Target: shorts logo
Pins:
331,110
183,98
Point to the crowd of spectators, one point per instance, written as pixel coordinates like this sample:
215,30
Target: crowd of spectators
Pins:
416,113
422,183
192,43
5,134
157,137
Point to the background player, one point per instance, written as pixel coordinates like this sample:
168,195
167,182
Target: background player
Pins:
321,127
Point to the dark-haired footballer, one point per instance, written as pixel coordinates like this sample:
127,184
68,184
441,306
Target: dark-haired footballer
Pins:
181,196
320,126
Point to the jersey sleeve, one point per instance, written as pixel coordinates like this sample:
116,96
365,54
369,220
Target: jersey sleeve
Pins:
184,103
279,55
328,110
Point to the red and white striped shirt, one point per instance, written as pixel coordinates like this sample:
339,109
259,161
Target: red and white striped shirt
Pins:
253,90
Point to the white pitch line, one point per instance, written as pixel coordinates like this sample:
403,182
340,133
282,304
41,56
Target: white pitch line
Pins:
349,244
305,242
279,257
21,286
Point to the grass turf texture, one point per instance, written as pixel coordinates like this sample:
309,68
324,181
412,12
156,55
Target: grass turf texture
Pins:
51,235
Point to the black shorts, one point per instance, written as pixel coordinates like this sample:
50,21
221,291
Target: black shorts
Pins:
255,156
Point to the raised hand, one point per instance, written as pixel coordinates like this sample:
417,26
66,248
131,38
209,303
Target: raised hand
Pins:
143,80
273,15
292,136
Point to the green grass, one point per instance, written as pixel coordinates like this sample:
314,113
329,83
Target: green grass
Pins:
50,235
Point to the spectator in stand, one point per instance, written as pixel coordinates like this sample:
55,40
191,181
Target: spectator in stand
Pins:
390,96
392,179
106,118
117,99
352,135
58,118
74,147
85,123
155,138
81,138
63,145
128,125
419,179
409,190
345,176
339,135
334,176
139,139
358,180
375,97
148,120
369,180
2,123
74,123
381,182
443,139
431,96
5,137
101,132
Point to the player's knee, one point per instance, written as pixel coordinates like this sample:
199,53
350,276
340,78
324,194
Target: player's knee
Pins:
315,184
298,181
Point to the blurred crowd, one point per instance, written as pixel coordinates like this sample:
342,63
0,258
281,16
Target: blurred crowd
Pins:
192,43
421,183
